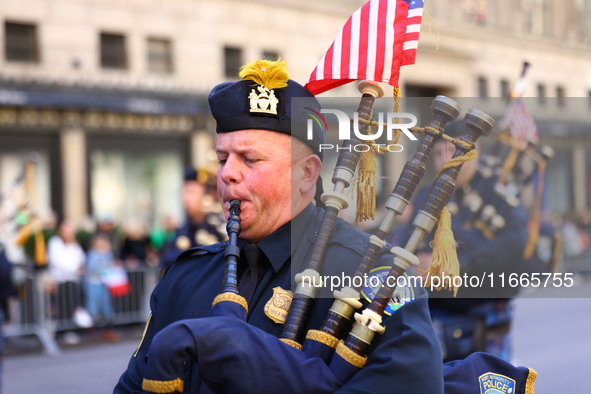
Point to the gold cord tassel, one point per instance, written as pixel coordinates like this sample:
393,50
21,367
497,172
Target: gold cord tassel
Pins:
397,96
534,224
444,259
366,187
367,168
458,161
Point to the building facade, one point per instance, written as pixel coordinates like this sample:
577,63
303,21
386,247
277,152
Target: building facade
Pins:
112,95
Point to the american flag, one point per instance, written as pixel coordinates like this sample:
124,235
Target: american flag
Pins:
376,41
521,123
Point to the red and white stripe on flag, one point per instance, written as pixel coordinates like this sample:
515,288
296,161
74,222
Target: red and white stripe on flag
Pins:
521,123
376,41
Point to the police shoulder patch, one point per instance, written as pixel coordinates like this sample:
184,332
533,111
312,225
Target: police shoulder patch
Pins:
494,383
377,277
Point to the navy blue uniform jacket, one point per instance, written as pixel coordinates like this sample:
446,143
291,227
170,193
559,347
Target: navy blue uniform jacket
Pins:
405,359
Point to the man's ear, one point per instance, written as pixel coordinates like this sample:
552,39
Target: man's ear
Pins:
311,166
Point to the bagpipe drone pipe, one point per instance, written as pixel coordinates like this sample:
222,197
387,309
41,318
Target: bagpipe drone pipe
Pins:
496,189
503,179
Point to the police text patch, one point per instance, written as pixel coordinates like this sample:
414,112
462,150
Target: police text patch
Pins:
493,383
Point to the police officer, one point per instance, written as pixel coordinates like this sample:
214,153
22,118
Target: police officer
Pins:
267,162
200,227
479,318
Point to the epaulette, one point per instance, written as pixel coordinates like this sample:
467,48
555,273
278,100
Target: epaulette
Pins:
347,236
200,250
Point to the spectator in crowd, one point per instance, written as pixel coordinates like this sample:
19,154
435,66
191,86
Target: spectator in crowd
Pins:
107,227
85,230
66,264
161,235
136,251
572,242
200,227
99,263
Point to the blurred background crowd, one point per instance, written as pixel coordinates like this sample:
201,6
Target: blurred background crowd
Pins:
89,272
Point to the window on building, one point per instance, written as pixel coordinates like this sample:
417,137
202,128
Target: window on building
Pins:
16,150
113,51
541,94
482,87
160,55
20,42
547,17
232,61
560,96
505,91
134,178
270,55
560,197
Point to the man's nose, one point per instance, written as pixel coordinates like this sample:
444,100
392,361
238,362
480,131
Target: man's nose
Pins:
230,171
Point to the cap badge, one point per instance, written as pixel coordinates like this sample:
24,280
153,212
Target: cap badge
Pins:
264,102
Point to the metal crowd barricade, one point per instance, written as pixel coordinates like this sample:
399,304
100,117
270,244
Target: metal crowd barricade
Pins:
27,316
42,313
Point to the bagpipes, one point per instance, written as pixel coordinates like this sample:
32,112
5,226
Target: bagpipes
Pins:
500,184
225,343
350,354
295,325
495,191
323,341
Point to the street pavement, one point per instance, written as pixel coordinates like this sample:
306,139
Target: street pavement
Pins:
84,369
551,335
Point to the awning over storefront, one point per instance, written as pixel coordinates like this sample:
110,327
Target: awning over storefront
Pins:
78,98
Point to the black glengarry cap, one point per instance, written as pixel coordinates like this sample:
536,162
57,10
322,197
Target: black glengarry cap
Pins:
263,100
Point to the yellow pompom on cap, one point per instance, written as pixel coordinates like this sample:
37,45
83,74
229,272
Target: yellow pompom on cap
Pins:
270,74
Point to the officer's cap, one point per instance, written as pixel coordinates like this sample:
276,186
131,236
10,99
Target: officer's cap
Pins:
190,174
455,129
262,99
207,177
